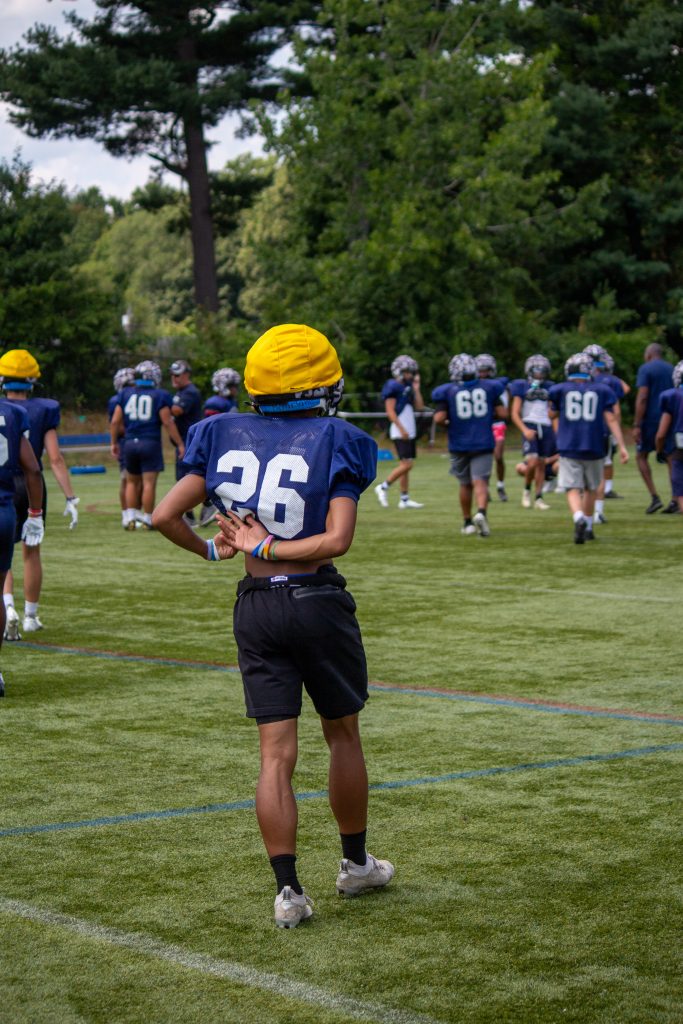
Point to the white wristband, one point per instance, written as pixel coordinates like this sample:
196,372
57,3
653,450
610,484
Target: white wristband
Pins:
211,552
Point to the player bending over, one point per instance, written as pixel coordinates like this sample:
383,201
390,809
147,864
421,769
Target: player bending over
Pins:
288,482
670,430
469,406
579,408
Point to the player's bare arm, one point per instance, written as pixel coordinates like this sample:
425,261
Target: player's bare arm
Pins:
641,409
245,535
116,430
663,429
31,471
173,433
502,412
516,416
615,430
168,519
441,417
390,410
418,398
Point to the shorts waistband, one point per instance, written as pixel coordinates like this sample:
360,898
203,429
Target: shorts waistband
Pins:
327,576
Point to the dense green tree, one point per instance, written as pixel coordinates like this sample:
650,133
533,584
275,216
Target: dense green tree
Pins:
615,85
411,193
46,305
148,76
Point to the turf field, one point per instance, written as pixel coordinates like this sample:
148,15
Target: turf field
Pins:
524,738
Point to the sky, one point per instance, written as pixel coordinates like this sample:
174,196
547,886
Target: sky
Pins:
80,163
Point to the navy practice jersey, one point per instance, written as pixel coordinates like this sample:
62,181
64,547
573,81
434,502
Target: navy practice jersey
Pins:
217,404
534,396
43,415
581,405
190,401
671,401
405,402
14,424
615,386
141,411
655,375
470,408
284,470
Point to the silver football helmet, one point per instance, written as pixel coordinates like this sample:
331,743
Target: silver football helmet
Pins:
578,365
124,378
537,367
224,379
148,370
403,364
486,364
678,374
462,367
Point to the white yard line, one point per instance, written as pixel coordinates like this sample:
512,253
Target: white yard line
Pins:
251,977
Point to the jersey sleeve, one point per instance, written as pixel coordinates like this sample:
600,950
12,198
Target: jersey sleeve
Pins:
667,402
440,395
23,422
609,396
392,389
165,400
52,416
353,467
518,388
198,448
555,397
185,400
643,378
497,392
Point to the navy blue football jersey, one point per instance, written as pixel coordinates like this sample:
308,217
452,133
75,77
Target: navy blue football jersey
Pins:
141,408
14,424
581,405
671,401
470,408
111,405
657,376
284,470
43,415
217,404
190,401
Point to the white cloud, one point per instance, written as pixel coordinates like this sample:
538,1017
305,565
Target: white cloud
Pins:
80,163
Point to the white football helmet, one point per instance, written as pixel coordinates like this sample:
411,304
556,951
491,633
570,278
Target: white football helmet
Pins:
486,364
148,370
579,365
537,367
403,364
678,374
123,378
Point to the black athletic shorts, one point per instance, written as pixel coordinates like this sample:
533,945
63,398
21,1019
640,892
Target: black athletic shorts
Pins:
299,631
405,449
21,504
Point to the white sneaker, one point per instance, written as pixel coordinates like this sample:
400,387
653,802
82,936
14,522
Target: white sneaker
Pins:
350,882
291,909
32,624
481,524
549,486
382,498
526,499
469,529
409,503
12,624
541,505
206,515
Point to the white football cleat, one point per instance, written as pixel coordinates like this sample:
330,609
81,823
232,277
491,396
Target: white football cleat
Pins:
291,909
541,505
382,498
12,624
409,503
469,529
32,624
351,882
526,499
481,524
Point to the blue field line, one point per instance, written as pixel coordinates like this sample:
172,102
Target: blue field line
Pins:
471,698
427,780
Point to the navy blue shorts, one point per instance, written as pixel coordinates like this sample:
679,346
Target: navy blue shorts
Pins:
647,440
543,445
143,455
290,637
8,517
181,468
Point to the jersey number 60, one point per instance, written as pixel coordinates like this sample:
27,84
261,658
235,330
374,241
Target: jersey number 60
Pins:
272,495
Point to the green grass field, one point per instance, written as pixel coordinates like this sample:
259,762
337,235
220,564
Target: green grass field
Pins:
536,845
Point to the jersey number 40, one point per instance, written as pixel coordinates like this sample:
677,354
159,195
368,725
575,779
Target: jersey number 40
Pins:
272,496
138,407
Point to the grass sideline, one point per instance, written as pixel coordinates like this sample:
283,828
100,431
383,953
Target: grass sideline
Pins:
532,896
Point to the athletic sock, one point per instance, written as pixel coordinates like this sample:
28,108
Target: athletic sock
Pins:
147,518
404,495
468,521
8,600
285,872
31,608
353,847
384,485
129,516
578,516
599,506
608,486
500,485
539,495
481,511
589,522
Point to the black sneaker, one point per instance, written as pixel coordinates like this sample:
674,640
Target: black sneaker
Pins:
671,509
612,495
580,529
654,505
502,496
589,535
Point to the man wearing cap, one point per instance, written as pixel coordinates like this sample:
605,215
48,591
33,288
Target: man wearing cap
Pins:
19,371
186,409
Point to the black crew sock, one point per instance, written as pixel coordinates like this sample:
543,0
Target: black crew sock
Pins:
285,872
353,847
468,521
482,510
539,495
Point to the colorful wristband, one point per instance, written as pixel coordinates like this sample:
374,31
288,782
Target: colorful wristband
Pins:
34,512
262,550
212,552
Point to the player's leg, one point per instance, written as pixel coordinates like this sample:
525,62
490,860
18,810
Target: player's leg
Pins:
530,452
149,493
466,492
570,479
276,809
499,432
643,450
348,777
7,528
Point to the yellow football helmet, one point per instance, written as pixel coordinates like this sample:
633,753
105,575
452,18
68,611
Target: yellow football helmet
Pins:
19,364
291,368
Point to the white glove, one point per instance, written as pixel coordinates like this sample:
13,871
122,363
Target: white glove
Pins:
33,531
72,511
